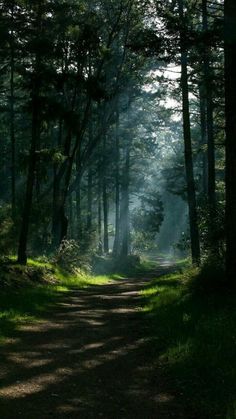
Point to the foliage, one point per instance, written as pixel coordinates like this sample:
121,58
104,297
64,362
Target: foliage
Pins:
182,247
72,258
218,230
193,338
91,122
7,231
146,221
14,275
209,279
27,292
143,241
105,265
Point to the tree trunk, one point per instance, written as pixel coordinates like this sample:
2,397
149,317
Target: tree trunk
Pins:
230,97
12,118
56,195
59,218
90,179
24,231
100,247
89,200
71,215
78,197
211,190
125,225
105,199
203,140
191,191
117,191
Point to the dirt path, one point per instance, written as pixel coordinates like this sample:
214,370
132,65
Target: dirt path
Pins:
91,357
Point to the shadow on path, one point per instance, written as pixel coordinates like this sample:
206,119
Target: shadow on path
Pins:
91,357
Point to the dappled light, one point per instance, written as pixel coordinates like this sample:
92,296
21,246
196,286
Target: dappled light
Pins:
117,209
86,354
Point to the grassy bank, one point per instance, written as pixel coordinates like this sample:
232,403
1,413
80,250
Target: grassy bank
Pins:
27,292
194,339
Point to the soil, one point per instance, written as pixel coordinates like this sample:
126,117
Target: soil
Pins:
90,357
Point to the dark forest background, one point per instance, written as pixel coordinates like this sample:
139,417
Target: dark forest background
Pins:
117,129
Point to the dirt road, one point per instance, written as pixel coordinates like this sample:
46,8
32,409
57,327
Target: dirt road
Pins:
91,357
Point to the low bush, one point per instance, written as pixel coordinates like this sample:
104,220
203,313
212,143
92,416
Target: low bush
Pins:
72,257
192,335
208,279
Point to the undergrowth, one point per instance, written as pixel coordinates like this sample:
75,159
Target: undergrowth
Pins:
194,335
129,266
26,292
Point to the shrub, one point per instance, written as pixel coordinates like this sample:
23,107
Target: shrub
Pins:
71,257
208,279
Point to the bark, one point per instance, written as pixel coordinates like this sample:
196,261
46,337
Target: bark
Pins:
24,231
89,200
125,225
56,195
105,199
191,190
12,117
56,211
90,181
211,189
71,216
117,190
100,247
78,198
62,178
230,98
59,218
203,139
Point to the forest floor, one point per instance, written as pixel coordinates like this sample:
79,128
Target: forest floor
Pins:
95,354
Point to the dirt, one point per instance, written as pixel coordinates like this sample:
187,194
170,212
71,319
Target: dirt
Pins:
90,357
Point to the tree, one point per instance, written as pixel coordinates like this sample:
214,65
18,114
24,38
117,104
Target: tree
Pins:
35,93
191,190
230,99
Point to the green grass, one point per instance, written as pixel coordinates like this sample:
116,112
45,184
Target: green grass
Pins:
123,267
146,265
194,339
28,303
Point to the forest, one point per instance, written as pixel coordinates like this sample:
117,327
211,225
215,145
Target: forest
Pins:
117,209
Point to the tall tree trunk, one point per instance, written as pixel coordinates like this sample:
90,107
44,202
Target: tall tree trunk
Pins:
66,173
63,219
117,190
22,256
100,247
90,179
203,140
59,218
125,225
230,97
56,194
78,197
12,117
71,215
55,210
191,191
24,231
89,199
105,199
210,136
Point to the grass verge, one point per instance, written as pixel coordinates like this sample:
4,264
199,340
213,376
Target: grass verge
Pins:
22,302
194,340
